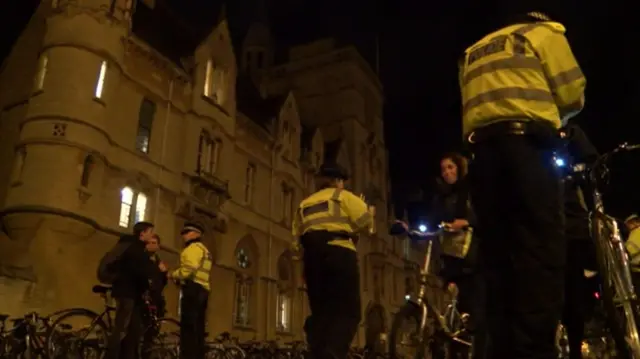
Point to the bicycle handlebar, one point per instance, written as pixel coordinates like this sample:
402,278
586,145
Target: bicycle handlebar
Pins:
600,163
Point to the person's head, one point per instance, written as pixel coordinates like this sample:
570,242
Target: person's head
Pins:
331,175
191,231
153,244
632,222
143,231
453,166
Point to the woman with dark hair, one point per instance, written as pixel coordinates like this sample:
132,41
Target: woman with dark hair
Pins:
451,205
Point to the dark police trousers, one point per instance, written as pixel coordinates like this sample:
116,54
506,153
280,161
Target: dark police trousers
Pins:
578,298
193,311
125,336
333,289
518,200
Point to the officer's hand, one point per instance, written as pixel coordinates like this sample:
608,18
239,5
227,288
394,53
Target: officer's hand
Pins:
363,198
372,211
163,267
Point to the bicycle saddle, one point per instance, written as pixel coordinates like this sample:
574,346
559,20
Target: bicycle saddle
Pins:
101,289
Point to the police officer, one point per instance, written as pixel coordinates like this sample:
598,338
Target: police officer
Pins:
327,224
633,247
193,277
518,84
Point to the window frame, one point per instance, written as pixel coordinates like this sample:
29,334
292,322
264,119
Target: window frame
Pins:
146,117
41,74
101,80
132,208
242,303
284,302
250,179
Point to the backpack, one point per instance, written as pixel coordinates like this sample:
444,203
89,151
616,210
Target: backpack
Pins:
107,270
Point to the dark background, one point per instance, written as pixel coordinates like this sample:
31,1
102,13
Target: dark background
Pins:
419,43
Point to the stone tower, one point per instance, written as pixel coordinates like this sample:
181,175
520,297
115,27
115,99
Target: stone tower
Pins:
63,140
257,46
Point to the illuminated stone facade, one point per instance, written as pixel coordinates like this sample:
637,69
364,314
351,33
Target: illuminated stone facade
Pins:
99,129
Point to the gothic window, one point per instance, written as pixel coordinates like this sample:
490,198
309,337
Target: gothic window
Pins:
215,82
250,179
133,207
242,302
145,122
243,259
87,168
287,203
102,74
208,153
285,294
41,74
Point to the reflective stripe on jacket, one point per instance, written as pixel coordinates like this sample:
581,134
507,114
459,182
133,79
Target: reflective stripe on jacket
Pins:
333,210
195,264
524,71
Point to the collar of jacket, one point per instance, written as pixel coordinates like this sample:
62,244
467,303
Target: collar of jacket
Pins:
191,241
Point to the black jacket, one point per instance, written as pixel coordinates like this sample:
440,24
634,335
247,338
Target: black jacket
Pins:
159,282
577,200
135,270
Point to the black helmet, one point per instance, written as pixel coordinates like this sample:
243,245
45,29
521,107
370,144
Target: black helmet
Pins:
333,170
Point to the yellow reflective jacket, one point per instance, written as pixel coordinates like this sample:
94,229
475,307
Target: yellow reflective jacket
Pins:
524,72
633,247
195,264
333,210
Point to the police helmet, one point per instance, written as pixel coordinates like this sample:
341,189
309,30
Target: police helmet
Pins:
632,218
333,170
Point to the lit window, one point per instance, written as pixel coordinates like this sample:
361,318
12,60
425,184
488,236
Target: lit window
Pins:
145,122
214,82
101,79
283,316
133,207
242,303
208,153
43,62
250,175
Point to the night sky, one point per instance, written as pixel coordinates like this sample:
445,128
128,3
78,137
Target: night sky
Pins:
419,45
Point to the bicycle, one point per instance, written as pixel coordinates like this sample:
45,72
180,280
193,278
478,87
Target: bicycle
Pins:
448,327
619,298
91,340
26,339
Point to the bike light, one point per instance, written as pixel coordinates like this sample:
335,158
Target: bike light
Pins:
597,295
422,228
407,297
559,162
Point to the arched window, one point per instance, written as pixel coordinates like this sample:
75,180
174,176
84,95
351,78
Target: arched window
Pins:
284,300
246,267
87,168
133,207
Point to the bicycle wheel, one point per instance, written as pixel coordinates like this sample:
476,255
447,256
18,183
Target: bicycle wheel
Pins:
79,333
163,340
619,300
406,341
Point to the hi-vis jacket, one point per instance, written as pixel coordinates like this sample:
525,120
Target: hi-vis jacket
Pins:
195,264
633,247
524,72
333,210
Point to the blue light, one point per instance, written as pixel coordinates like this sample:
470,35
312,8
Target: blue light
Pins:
422,228
560,162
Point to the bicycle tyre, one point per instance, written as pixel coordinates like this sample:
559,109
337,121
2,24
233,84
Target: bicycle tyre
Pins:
162,349
54,342
413,314
606,258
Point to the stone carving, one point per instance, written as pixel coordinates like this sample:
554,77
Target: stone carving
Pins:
59,129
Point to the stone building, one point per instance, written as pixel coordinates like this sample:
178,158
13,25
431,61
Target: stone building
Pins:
112,112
